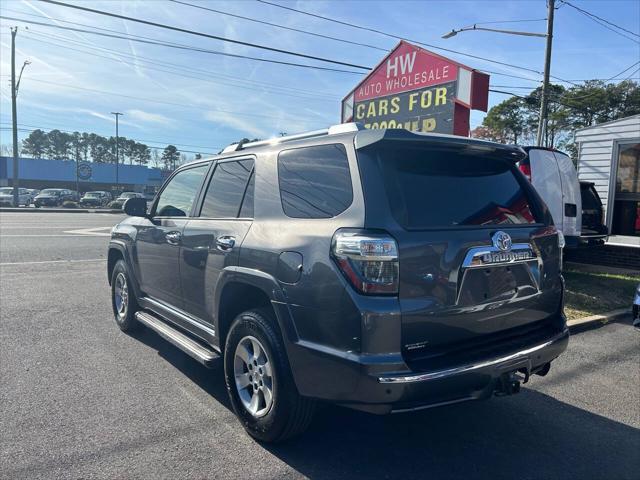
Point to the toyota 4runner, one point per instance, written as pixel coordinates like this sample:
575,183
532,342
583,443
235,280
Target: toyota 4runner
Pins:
382,270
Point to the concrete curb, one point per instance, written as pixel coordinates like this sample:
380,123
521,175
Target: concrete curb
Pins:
584,322
60,210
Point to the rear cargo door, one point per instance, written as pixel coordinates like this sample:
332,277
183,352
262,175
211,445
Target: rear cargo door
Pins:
478,264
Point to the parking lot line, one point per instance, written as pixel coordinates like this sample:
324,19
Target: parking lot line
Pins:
54,261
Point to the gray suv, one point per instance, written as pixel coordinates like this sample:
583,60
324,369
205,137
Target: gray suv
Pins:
381,270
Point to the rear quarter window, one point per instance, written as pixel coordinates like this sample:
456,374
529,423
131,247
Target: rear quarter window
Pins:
314,181
428,188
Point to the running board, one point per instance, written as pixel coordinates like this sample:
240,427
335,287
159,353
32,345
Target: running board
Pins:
191,347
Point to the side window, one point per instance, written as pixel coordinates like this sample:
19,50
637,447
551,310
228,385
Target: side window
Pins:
226,189
177,197
314,181
247,204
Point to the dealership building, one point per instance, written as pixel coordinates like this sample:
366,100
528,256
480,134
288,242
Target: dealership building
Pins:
41,173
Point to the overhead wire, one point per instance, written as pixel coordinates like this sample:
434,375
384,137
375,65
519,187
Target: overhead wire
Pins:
193,71
205,35
284,27
604,22
136,38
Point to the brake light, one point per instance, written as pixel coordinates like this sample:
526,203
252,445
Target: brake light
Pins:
525,168
368,260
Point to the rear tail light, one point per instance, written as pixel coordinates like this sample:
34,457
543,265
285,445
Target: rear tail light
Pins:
368,260
525,168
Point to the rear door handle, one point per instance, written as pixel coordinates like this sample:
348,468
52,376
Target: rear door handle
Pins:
173,238
225,243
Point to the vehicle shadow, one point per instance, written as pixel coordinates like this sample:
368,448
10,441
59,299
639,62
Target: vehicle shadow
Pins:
530,435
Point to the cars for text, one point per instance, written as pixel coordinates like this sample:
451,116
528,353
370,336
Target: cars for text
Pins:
382,270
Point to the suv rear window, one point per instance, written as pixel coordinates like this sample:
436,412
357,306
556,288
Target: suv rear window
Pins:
429,188
314,181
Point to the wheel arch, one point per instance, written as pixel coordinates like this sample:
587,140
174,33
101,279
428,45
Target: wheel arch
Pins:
240,289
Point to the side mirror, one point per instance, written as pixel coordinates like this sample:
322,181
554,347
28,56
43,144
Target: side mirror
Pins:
135,207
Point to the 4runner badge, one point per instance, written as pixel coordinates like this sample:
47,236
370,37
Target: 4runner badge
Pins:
502,241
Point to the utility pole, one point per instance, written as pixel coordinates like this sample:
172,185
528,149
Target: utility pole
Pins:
117,114
14,109
542,122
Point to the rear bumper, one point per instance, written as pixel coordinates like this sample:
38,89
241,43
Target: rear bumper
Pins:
361,382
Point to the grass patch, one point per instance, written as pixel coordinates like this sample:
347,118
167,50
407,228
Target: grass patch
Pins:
594,293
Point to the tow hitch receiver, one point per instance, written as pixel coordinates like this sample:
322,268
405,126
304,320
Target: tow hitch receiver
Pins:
509,382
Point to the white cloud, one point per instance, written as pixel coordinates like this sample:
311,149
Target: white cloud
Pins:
143,116
230,120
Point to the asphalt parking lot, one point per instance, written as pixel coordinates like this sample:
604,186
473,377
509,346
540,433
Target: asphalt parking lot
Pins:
80,399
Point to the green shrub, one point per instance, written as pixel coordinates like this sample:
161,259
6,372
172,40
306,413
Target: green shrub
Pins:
115,205
69,204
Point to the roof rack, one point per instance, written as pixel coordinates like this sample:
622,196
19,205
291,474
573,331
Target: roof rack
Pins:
332,130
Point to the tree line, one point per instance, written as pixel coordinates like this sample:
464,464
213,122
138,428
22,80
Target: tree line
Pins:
515,120
58,145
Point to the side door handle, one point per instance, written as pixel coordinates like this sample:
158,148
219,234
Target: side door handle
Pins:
173,238
225,243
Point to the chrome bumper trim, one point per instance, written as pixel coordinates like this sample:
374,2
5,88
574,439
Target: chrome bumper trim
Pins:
423,377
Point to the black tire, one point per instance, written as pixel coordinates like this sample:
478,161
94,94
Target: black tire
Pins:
289,414
125,312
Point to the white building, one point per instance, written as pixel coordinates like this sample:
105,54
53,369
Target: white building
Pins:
609,156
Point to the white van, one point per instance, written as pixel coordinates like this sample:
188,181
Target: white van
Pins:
555,178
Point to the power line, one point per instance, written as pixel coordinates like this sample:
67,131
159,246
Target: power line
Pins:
397,37
132,38
206,76
206,35
512,21
263,22
603,22
285,90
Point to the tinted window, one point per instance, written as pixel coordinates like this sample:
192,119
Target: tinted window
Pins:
247,204
590,198
314,181
177,197
226,189
429,188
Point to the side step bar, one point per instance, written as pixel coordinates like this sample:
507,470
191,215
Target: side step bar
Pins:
191,347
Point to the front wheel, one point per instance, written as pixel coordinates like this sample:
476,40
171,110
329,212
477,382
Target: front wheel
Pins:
259,380
123,299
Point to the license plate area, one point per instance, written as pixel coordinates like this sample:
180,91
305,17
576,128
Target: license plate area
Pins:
495,283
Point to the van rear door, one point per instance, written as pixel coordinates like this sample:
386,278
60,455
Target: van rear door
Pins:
545,176
478,259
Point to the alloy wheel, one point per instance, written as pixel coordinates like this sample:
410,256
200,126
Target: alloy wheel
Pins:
121,295
253,376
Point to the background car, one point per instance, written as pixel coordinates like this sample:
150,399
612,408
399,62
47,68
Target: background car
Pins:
124,196
95,199
6,197
594,231
53,197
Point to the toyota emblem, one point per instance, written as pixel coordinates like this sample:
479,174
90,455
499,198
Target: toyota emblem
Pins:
502,241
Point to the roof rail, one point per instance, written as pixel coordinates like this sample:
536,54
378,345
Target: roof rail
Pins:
332,130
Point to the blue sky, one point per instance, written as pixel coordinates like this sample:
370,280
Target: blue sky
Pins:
202,102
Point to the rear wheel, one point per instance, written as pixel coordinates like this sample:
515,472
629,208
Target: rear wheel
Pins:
123,299
259,380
